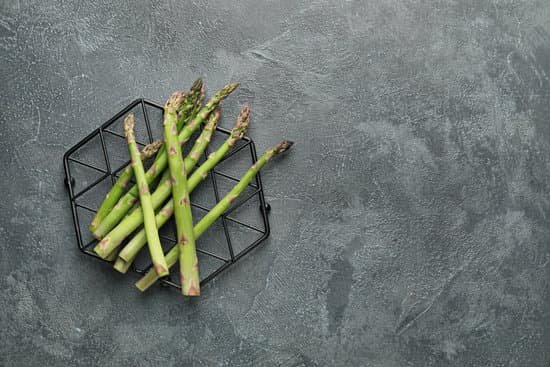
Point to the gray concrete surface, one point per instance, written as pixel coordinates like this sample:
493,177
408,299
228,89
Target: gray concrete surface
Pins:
410,223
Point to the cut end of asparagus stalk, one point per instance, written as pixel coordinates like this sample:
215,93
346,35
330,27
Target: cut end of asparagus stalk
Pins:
146,281
129,123
193,290
174,101
151,149
121,266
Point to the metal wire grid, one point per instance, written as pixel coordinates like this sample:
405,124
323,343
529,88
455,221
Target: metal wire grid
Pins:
106,171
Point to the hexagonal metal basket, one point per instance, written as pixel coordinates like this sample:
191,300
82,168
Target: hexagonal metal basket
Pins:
93,164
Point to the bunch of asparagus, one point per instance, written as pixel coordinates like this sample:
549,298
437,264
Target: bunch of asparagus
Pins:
124,210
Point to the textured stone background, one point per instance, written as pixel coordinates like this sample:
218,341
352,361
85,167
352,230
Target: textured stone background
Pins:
410,223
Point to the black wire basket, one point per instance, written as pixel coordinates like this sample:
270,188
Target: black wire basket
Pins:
94,163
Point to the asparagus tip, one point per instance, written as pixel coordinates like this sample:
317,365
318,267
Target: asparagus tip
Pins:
150,149
175,100
129,123
223,93
230,87
283,146
241,126
244,115
197,85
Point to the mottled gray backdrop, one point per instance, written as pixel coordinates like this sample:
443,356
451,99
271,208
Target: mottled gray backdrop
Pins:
409,225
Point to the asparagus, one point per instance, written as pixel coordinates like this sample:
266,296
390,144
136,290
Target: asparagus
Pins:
189,270
128,200
172,256
135,218
155,247
120,184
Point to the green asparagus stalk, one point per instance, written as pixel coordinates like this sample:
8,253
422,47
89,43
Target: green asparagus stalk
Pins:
163,190
120,184
172,256
189,269
155,247
161,161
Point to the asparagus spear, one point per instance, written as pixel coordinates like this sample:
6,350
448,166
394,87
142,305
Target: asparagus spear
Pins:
189,269
172,256
120,184
135,218
128,200
155,248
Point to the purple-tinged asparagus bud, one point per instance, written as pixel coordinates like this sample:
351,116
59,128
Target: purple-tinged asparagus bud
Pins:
283,146
197,86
